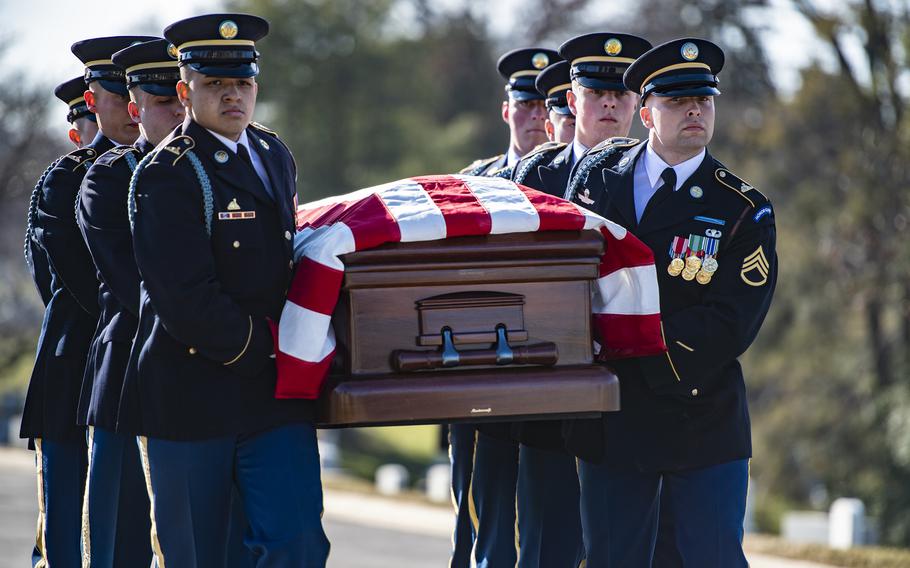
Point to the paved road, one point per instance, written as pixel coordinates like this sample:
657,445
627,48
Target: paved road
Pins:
366,531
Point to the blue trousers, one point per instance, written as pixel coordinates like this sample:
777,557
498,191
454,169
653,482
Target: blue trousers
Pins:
549,519
115,521
620,509
277,475
484,495
61,470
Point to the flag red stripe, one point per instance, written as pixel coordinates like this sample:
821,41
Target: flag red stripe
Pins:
463,213
315,286
623,336
555,214
627,253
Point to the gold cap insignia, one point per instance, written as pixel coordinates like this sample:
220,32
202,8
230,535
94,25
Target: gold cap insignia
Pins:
172,50
689,51
540,60
755,268
233,205
613,46
228,29
221,156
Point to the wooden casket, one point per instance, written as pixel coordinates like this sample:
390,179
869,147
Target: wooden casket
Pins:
473,329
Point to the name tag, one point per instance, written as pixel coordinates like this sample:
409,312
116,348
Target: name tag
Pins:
236,215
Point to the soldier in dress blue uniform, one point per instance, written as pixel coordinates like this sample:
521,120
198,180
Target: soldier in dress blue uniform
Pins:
49,417
116,524
485,463
591,78
213,228
680,446
553,83
84,125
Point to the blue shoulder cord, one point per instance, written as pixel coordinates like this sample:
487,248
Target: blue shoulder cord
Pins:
207,199
585,167
529,163
33,211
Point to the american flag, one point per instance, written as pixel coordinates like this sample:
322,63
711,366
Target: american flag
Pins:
625,299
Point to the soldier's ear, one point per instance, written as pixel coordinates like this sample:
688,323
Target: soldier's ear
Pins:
90,100
505,111
572,100
133,109
75,137
183,92
646,118
551,130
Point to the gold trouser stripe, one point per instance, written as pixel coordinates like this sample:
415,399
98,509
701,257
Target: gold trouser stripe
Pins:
147,472
472,509
517,532
672,366
673,68
86,528
183,46
245,345
41,529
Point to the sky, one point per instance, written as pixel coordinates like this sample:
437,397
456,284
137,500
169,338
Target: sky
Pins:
38,33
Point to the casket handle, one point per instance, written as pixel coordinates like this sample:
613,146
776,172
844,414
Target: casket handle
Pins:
502,354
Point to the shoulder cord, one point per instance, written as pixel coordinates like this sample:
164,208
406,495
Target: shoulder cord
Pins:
526,166
33,212
584,168
131,196
207,199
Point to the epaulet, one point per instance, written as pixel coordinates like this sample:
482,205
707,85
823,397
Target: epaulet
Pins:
615,142
175,147
114,154
545,147
745,190
480,164
79,157
258,126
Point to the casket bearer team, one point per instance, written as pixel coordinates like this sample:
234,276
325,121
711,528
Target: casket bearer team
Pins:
115,529
590,85
682,438
49,416
485,463
213,238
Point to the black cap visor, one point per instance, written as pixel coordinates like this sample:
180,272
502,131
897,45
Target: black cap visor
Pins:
116,87
220,69
601,83
520,95
560,109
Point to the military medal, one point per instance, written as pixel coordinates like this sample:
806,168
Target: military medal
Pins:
693,260
709,264
676,263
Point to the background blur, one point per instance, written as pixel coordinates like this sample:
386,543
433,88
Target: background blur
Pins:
813,113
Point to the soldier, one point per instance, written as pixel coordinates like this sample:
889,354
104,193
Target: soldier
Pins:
553,83
523,110
682,437
49,416
485,464
84,125
590,84
116,517
213,239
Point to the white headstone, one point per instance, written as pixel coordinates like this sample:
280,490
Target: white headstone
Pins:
391,478
847,523
439,482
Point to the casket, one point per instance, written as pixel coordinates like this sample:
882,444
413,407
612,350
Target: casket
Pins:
480,328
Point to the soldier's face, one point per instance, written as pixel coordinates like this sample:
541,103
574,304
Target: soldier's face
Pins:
111,112
679,124
157,115
221,104
600,113
526,123
561,127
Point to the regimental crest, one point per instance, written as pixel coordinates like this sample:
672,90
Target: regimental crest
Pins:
540,60
178,147
754,271
613,47
172,50
228,29
689,51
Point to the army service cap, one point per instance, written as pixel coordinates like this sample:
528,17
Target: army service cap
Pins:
96,54
520,68
598,60
150,66
553,83
685,67
72,92
220,45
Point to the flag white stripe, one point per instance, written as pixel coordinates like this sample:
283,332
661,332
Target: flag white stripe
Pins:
628,291
509,208
300,331
418,217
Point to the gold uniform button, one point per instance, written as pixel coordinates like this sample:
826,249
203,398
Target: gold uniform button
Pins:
192,350
288,235
236,244
694,392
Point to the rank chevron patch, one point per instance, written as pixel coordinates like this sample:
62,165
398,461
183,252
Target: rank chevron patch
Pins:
755,268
